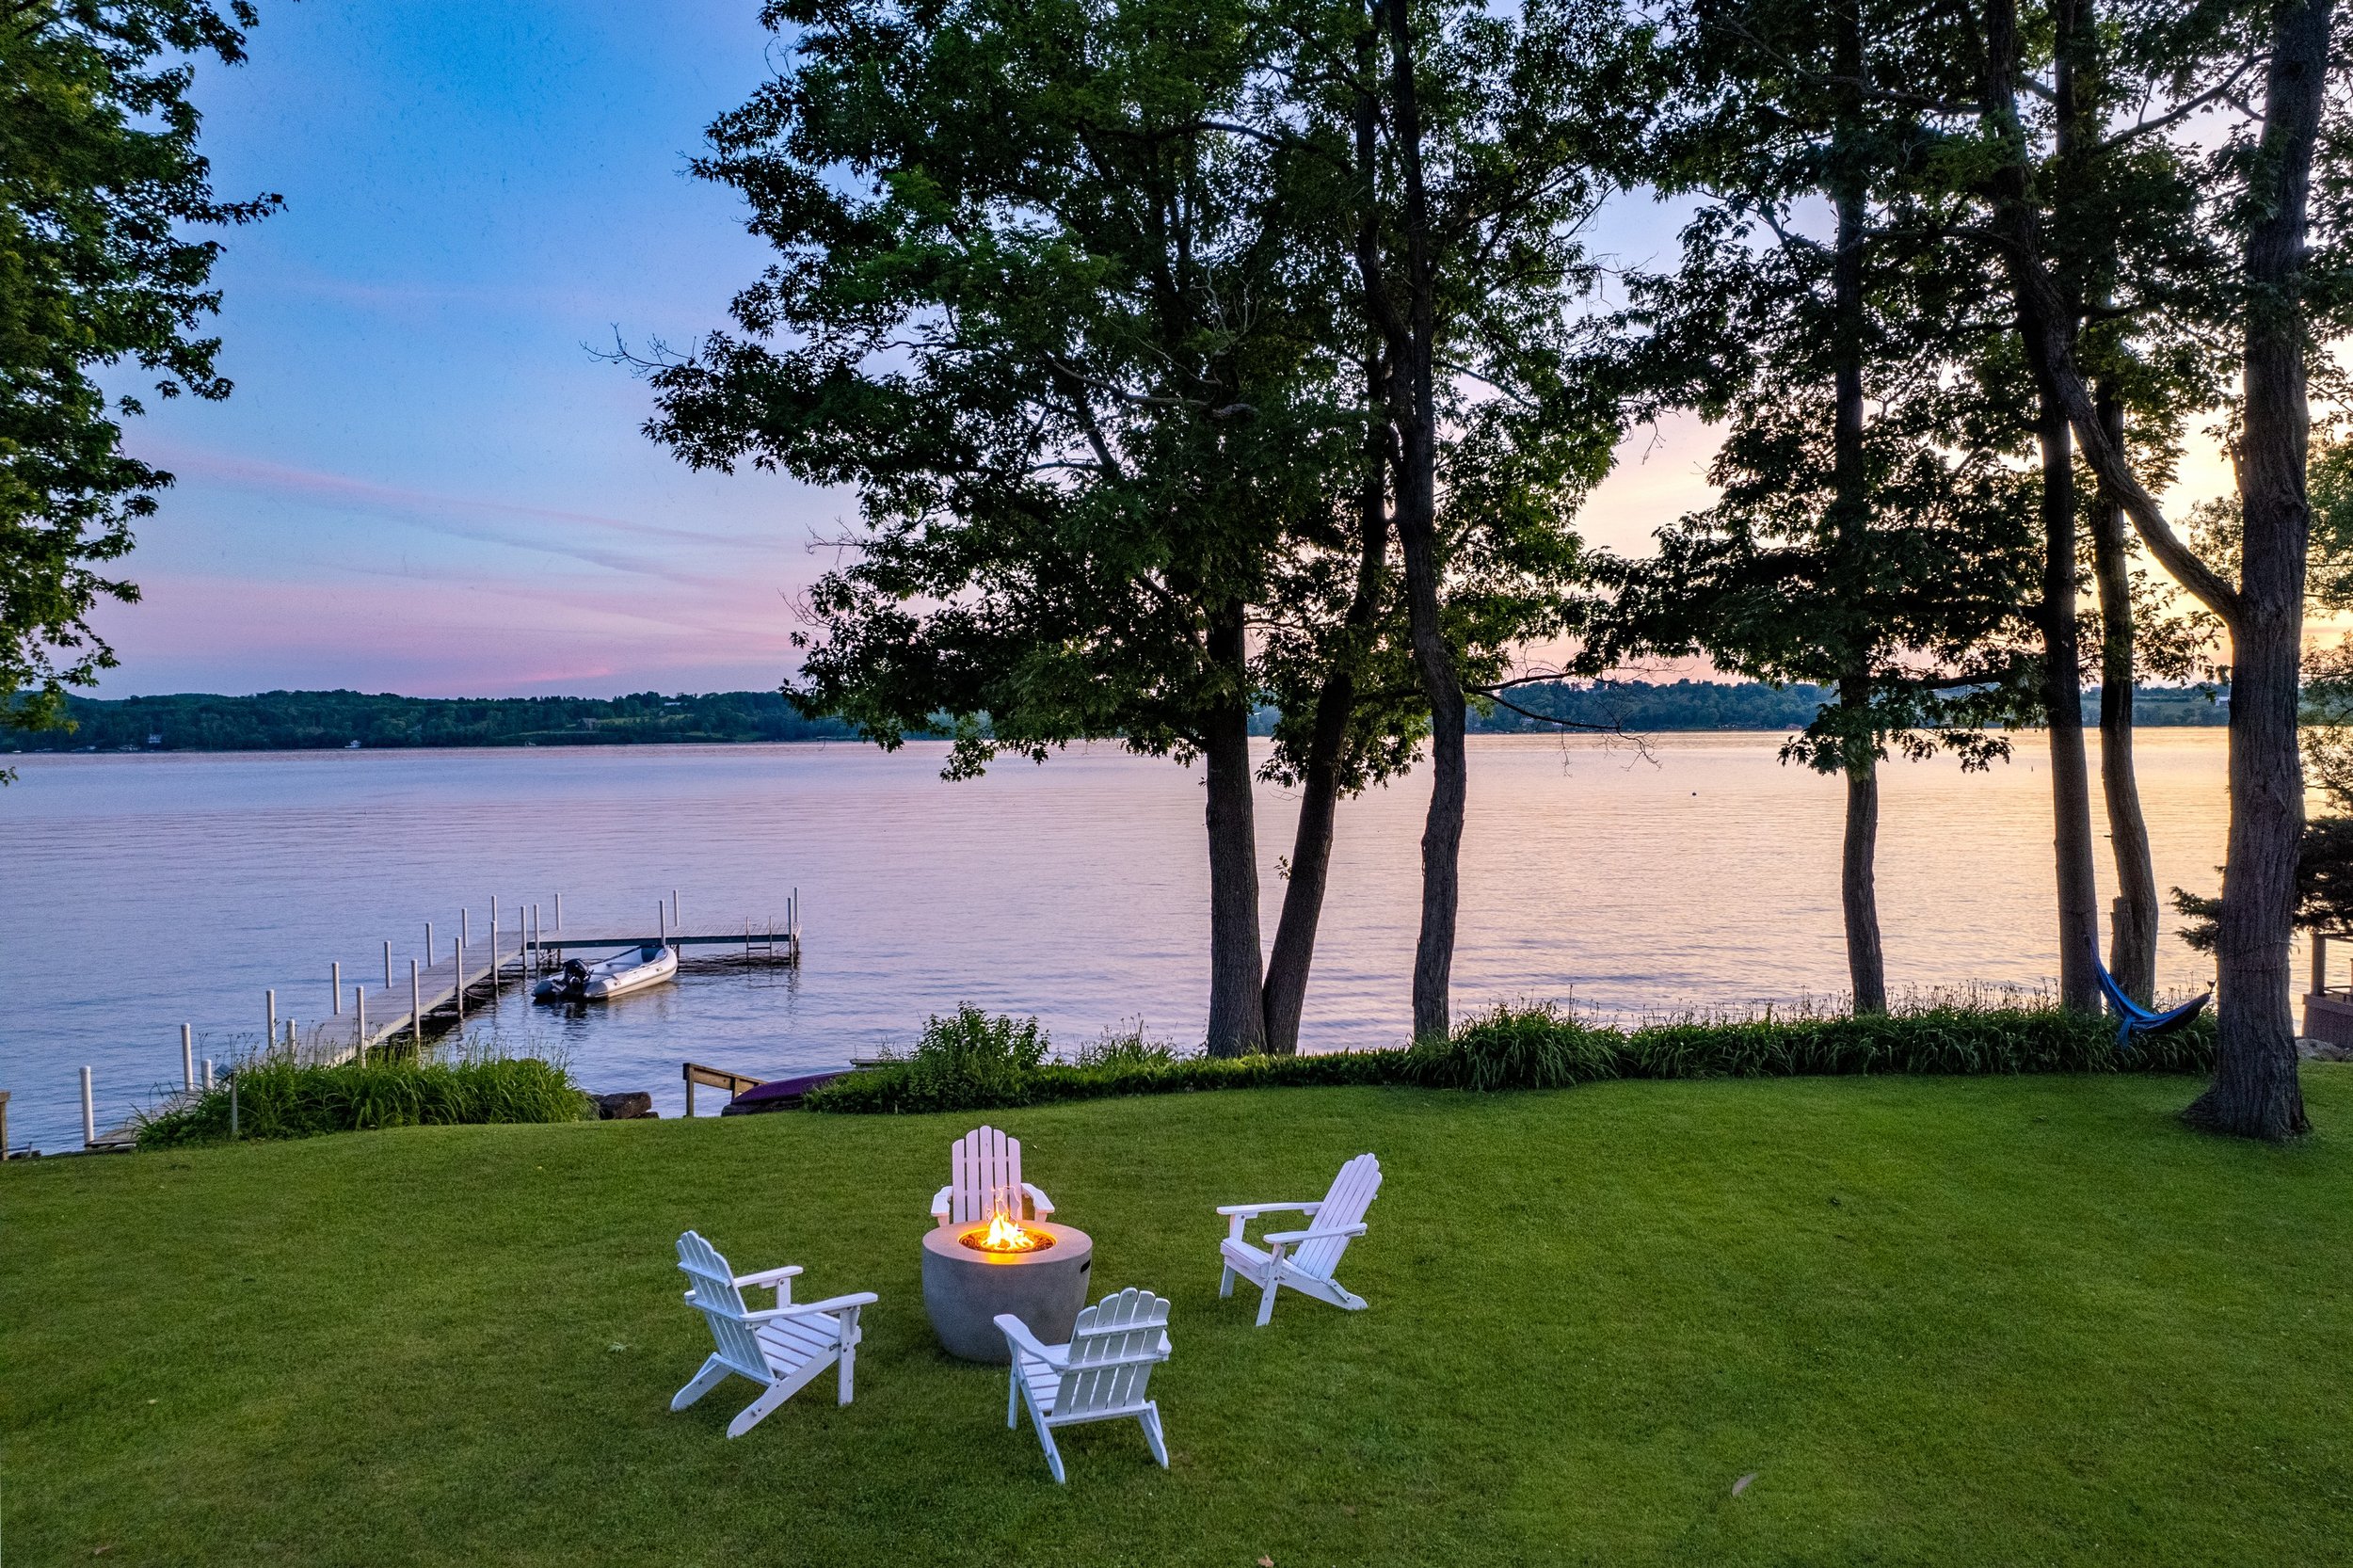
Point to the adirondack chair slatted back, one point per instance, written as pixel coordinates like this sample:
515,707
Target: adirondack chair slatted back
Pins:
1344,1205
983,1162
1113,1347
715,1295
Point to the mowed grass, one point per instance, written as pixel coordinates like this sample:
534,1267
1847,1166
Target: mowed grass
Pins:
1938,1322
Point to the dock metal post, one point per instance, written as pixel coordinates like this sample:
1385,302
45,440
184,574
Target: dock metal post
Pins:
188,1057
90,1114
208,1075
359,1006
428,941
465,926
2320,964
335,987
290,1040
270,1027
662,921
494,944
458,957
388,963
559,914
674,908
688,1074
532,967
416,1009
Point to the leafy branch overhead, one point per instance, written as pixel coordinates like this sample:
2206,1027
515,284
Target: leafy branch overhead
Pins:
100,185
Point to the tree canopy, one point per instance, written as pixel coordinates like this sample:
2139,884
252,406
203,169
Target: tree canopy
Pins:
101,184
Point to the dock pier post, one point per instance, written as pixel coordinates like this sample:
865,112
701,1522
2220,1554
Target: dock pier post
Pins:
416,1009
188,1057
360,1035
90,1116
335,987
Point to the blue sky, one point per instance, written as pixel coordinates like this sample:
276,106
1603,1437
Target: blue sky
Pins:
426,482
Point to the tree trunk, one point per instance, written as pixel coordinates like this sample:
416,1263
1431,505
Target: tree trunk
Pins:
2062,706
1858,873
1413,352
1237,1003
1312,847
2255,1092
2133,923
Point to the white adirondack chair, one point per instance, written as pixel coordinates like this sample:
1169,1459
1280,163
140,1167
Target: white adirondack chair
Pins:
981,1163
1303,1259
783,1348
1099,1376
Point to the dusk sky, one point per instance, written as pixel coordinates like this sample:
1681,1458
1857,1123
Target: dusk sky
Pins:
426,482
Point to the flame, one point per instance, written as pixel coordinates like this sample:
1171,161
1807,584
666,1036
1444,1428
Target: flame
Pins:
1006,1234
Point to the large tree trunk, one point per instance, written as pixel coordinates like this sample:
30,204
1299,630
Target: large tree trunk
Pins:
1236,1004
2255,1090
1319,792
1858,873
2062,706
2132,922
1413,351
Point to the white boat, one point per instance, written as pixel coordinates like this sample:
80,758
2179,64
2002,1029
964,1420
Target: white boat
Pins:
611,977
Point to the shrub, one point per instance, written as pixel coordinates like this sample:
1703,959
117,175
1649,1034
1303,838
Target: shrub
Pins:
1534,1048
1544,1048
966,1062
281,1099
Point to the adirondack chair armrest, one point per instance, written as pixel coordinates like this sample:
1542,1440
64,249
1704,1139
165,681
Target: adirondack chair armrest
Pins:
942,1201
1276,1241
1040,1205
1239,1215
830,1305
767,1276
1018,1332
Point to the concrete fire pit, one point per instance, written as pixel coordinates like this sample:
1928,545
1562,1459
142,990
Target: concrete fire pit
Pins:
964,1288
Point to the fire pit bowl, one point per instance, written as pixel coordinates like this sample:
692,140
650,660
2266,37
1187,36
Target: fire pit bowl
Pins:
965,1286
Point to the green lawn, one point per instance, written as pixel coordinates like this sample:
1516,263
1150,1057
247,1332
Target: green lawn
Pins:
1939,1320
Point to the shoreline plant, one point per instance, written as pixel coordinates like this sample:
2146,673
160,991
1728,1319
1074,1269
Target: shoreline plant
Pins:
1538,1047
276,1098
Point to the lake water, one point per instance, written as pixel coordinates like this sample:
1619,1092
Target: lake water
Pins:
146,890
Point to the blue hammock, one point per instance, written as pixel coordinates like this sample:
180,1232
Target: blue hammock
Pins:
2132,1018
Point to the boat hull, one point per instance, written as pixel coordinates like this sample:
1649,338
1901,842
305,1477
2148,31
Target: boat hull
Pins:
613,977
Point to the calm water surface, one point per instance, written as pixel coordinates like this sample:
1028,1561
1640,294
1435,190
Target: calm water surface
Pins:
145,890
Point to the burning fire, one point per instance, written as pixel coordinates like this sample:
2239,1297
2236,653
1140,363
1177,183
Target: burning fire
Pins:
1005,1234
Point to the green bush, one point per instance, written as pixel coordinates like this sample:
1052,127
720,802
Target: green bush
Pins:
1543,1047
966,1061
281,1099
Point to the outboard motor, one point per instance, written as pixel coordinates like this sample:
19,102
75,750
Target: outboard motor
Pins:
569,983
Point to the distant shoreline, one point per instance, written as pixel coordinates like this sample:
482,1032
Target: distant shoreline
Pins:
349,720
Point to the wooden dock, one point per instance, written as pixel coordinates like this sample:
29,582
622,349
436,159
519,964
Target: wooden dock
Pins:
434,997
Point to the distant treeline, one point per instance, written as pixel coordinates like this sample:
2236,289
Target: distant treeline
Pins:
327,721
1638,704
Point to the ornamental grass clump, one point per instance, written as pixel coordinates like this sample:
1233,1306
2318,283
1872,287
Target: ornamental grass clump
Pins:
1529,1047
278,1099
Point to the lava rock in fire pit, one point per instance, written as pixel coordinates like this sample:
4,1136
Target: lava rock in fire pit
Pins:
964,1288
637,1106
